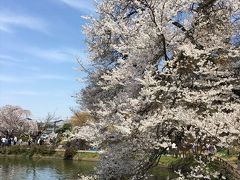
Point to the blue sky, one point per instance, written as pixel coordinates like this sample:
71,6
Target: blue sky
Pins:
39,41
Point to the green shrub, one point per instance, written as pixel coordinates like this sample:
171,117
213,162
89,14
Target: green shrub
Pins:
66,126
2,150
28,151
59,139
70,151
24,137
16,150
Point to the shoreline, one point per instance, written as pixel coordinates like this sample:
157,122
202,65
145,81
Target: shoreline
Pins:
57,157
47,157
45,152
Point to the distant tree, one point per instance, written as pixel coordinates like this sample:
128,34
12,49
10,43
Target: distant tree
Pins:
51,117
81,118
49,121
15,120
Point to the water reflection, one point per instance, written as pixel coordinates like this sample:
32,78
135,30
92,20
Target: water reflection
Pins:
52,169
42,169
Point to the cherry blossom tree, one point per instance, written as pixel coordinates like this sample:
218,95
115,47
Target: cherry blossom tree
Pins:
165,71
15,120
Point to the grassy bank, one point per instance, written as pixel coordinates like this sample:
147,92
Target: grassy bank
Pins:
167,161
230,156
36,151
27,151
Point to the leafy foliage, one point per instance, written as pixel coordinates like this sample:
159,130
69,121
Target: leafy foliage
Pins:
64,128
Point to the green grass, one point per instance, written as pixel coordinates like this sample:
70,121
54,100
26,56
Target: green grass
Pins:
184,164
168,160
232,157
87,156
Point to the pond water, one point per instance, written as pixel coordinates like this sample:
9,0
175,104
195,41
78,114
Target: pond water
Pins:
12,168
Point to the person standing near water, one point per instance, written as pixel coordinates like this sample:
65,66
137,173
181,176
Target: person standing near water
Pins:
9,141
20,141
15,140
29,141
4,140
